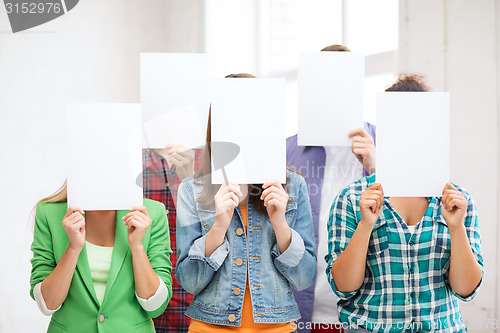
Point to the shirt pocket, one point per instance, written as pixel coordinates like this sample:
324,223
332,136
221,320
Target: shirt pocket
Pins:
291,209
377,256
440,243
141,326
55,326
207,218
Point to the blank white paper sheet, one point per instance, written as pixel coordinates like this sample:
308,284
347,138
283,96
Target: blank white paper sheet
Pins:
413,143
104,156
251,114
174,99
330,97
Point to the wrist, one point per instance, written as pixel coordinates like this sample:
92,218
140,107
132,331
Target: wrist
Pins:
73,250
136,248
365,226
218,231
220,226
456,229
280,225
371,169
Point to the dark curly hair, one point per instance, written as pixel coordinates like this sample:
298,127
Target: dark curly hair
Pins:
409,82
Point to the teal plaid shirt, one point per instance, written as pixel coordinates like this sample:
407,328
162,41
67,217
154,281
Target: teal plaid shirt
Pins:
406,285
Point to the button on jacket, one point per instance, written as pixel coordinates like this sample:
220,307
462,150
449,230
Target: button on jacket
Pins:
218,282
120,311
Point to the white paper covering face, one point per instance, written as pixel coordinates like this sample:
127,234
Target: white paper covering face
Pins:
174,98
251,114
413,143
104,156
330,97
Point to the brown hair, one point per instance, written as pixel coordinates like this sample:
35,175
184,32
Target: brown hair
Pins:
409,83
203,176
241,76
337,48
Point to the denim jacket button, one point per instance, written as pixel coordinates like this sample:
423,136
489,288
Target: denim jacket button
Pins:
237,291
239,231
239,262
231,318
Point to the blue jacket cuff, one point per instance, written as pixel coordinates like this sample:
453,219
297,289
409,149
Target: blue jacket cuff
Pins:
293,254
197,252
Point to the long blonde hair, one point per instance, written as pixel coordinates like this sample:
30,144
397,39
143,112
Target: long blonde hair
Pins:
61,195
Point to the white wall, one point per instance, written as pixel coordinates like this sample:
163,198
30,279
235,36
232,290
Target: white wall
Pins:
90,54
456,44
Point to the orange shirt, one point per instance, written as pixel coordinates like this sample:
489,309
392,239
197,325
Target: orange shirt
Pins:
247,323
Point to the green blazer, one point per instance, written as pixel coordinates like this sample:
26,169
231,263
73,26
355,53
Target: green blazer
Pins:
81,311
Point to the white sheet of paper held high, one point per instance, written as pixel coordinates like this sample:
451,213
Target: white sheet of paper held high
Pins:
413,143
251,114
180,126
104,156
330,97
174,98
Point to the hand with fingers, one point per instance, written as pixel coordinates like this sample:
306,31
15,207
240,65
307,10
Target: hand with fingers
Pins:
453,206
275,200
363,148
182,158
226,200
74,224
137,222
371,204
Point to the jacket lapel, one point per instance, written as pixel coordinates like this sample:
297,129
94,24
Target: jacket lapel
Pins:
83,269
120,251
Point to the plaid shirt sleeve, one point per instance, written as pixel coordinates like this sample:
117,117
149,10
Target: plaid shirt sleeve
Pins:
341,226
472,230
160,184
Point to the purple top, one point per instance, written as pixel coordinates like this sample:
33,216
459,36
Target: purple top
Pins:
309,161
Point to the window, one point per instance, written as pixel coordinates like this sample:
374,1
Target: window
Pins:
264,37
372,28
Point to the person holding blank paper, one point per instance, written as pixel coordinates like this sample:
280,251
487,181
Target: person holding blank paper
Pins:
326,171
241,249
161,182
402,263
100,271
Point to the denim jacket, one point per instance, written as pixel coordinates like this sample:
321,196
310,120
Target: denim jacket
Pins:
271,274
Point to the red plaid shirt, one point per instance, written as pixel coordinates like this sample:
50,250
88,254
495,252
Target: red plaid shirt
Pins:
160,183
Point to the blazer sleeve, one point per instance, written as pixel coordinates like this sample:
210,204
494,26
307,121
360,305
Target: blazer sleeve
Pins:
43,261
159,252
